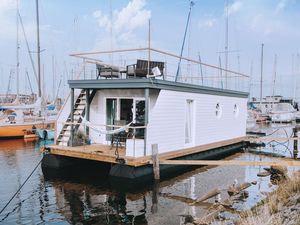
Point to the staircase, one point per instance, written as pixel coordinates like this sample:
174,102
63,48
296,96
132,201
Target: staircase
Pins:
64,136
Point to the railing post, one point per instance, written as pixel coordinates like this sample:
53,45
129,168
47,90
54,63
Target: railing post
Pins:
295,150
72,117
146,119
87,110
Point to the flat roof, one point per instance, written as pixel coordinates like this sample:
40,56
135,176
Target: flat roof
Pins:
143,83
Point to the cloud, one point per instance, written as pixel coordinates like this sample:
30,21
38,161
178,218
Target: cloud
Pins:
208,23
234,7
127,19
124,22
280,6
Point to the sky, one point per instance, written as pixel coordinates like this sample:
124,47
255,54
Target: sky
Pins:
68,26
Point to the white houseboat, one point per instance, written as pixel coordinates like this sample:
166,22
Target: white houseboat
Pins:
117,117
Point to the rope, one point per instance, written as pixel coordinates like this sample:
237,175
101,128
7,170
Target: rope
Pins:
101,131
21,186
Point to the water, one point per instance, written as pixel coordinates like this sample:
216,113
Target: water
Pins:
81,199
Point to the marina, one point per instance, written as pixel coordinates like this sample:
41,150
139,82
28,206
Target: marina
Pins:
146,112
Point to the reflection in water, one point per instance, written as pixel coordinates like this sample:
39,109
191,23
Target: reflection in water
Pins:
87,197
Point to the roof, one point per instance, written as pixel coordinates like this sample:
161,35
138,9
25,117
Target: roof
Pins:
143,83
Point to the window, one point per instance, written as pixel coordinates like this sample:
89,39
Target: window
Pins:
111,114
235,110
126,110
189,121
218,111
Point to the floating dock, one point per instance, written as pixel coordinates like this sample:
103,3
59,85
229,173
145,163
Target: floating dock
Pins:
131,168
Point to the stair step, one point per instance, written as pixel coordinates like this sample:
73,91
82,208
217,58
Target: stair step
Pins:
60,140
64,135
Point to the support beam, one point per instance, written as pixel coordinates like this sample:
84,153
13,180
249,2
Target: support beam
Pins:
146,118
72,117
87,110
229,163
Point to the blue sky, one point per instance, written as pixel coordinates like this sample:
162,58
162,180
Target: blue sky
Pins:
70,26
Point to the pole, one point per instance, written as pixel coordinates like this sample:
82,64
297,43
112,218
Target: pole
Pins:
87,108
146,119
38,48
261,71
201,70
72,117
295,150
18,47
155,159
226,44
149,45
185,32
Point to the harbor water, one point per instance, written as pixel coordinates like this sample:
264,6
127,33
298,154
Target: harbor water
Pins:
89,197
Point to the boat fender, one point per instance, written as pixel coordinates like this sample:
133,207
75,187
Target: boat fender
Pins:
45,134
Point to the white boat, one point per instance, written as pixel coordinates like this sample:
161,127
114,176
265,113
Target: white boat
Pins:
283,113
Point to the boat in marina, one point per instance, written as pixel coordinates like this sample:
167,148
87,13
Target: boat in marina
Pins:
22,114
121,113
283,113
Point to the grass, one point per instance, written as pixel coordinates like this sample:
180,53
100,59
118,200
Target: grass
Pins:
269,211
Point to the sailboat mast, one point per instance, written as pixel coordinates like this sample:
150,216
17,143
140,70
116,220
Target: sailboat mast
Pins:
17,53
226,44
261,71
274,75
38,48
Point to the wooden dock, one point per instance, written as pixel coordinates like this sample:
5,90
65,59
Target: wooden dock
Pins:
104,153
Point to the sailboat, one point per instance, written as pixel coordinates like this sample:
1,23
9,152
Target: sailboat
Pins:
16,120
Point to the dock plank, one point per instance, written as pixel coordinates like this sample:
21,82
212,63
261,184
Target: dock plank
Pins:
104,153
230,163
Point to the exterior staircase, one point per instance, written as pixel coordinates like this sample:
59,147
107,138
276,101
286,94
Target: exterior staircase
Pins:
64,136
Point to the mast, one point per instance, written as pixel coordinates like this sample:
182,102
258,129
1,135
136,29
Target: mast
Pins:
182,47
274,74
261,71
38,48
149,45
226,44
17,53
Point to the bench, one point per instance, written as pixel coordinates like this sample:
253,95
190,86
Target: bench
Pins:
140,69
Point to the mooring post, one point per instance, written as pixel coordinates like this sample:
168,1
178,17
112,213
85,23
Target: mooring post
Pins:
155,193
295,151
155,160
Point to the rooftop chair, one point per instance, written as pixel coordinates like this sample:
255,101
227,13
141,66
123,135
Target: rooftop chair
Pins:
140,69
107,71
119,138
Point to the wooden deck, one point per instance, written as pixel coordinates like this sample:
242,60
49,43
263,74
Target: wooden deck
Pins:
104,153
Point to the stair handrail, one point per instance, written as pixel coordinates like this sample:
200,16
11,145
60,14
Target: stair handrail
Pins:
69,94
66,100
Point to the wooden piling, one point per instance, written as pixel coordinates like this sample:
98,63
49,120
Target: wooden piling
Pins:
155,160
295,150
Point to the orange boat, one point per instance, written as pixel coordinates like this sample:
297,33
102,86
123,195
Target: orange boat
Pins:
17,130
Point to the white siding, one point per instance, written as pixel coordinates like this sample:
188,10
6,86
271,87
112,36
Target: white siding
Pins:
166,119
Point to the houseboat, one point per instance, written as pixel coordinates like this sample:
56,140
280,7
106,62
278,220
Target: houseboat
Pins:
122,115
